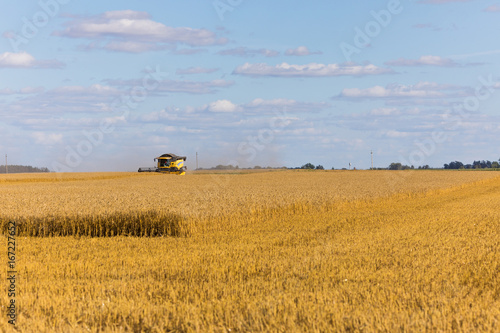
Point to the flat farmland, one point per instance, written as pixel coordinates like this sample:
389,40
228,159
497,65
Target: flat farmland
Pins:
263,251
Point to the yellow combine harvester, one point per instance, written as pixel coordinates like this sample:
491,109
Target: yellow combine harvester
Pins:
168,163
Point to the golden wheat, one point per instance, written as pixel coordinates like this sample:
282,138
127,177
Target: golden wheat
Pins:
283,251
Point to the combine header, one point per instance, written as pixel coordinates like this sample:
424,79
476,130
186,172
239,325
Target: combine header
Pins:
168,163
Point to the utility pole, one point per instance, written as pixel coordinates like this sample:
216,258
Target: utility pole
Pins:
372,159
196,160
6,165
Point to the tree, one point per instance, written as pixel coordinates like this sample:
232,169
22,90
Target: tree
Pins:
454,165
224,167
495,165
308,166
320,167
22,169
395,166
398,166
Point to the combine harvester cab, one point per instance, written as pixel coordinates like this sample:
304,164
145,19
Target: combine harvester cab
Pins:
168,163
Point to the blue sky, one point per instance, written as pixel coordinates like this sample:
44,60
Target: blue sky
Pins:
108,86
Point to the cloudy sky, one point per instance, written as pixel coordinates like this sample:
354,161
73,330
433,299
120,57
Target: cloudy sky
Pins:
109,85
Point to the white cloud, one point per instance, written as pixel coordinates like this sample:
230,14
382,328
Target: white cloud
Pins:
435,2
384,112
442,26
309,70
26,60
95,89
379,91
132,31
396,134
413,111
300,51
195,70
419,90
474,54
274,102
115,120
177,86
246,52
7,91
289,105
282,108
189,51
126,14
427,60
22,91
31,90
64,99
47,138
132,47
181,129
223,105
158,140
303,131
492,9
18,60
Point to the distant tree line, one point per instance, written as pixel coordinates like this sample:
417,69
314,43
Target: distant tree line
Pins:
22,169
452,165
310,166
475,165
232,167
393,166
399,166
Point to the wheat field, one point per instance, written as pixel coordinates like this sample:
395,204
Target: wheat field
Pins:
282,251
